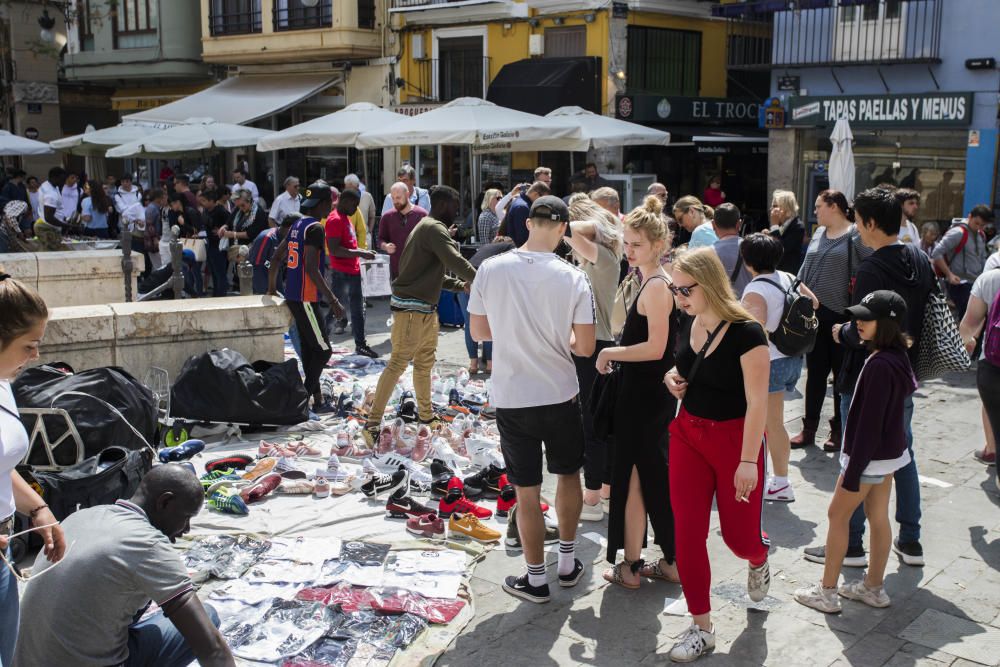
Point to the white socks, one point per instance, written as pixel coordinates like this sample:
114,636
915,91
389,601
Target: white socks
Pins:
536,574
567,557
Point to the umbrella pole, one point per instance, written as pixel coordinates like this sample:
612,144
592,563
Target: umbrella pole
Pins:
572,171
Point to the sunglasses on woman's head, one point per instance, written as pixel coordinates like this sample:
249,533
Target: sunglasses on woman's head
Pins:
684,291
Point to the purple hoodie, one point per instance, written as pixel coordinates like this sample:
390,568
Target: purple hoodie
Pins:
875,421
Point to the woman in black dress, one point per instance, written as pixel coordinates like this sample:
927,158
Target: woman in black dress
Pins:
643,409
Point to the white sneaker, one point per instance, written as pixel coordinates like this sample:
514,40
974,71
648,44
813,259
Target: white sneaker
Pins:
484,453
592,512
335,471
694,643
872,597
819,598
781,494
420,477
758,581
440,449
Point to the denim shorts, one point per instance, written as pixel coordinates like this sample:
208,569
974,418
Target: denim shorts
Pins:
868,479
785,374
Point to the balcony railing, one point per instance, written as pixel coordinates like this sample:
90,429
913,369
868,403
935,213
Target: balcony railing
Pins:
818,33
234,17
293,15
443,80
410,4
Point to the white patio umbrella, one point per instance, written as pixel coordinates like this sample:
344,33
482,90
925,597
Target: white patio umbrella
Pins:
842,159
196,135
97,142
340,128
604,131
11,144
486,127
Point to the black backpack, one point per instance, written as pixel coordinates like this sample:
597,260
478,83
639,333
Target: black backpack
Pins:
796,332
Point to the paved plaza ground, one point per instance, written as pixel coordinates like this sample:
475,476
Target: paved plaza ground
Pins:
946,613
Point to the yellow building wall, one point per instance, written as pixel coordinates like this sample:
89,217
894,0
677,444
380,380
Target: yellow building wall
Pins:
713,46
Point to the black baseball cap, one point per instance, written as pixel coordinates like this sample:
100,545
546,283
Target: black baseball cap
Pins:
552,208
880,304
318,192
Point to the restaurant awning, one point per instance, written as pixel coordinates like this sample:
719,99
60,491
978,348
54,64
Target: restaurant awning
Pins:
541,85
240,99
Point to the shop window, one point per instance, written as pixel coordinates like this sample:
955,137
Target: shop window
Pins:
460,68
366,14
880,34
568,42
135,24
664,62
299,15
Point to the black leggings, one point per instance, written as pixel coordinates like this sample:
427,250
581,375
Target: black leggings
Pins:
988,383
315,342
826,356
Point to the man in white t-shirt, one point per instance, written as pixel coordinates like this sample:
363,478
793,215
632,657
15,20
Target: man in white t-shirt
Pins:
126,195
241,182
539,311
50,196
909,201
71,198
285,203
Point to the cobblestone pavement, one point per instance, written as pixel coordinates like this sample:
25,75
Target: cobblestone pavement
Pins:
946,613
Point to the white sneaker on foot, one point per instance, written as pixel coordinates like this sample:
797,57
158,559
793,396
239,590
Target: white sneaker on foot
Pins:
819,598
592,512
782,493
693,644
758,581
857,590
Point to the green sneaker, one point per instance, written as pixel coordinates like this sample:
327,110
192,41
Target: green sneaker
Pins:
513,540
228,501
210,478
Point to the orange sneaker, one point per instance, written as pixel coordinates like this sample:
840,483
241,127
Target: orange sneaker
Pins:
468,526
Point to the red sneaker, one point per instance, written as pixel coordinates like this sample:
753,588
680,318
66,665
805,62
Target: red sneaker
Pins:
405,507
456,503
262,487
428,525
507,497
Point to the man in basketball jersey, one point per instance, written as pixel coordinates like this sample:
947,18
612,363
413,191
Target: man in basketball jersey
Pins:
303,253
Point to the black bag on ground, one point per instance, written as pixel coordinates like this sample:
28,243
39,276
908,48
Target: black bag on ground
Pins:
99,480
98,425
796,332
222,386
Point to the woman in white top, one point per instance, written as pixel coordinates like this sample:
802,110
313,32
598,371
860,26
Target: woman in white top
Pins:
21,329
761,254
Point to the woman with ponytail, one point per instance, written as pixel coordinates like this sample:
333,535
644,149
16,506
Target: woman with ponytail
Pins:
21,329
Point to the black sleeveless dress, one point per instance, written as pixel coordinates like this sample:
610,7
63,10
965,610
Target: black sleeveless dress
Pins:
643,412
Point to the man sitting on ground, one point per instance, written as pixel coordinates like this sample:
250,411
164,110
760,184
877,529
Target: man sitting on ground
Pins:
86,611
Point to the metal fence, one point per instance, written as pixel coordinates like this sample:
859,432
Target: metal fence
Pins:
293,15
234,17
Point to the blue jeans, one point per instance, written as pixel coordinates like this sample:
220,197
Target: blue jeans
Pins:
218,263
471,346
347,289
155,642
907,486
10,611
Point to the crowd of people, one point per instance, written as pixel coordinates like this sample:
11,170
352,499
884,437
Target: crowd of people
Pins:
650,350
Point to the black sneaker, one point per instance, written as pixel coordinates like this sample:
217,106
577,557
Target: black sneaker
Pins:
854,558
520,588
911,553
407,407
388,483
513,540
443,474
574,577
366,351
487,479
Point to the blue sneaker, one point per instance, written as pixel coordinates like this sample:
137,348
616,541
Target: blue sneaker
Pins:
228,501
181,452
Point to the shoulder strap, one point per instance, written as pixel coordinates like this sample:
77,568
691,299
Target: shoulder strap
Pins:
703,351
736,269
961,244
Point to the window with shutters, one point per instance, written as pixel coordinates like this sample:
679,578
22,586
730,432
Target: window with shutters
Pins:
663,61
569,42
135,23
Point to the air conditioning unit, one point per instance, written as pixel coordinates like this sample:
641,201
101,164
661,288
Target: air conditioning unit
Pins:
417,46
536,45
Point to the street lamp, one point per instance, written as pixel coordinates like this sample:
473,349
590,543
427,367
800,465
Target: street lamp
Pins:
47,23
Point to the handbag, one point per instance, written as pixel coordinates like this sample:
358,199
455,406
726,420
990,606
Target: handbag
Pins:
197,246
624,298
941,349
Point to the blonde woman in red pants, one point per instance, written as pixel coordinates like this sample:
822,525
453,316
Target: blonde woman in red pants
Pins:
717,439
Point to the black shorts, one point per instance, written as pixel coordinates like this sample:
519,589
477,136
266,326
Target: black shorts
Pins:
522,432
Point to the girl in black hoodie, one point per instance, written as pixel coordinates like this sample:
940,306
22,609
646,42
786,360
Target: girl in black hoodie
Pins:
874,448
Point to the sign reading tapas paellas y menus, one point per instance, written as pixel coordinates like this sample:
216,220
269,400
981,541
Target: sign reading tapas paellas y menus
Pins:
918,110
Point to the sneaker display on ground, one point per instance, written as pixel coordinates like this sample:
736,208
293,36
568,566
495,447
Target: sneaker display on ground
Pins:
181,452
484,453
468,526
261,488
335,470
758,581
321,487
822,599
302,448
383,483
261,468
910,552
574,577
520,588
405,507
856,590
693,644
455,503
507,498
297,487
592,512
854,557
513,540
781,493
273,449
419,475
210,478
487,480
228,501
234,461
445,480
429,525
442,451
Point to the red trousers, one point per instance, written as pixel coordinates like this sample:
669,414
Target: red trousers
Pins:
704,455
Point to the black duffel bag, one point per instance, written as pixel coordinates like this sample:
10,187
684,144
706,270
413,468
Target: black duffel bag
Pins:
100,480
222,386
94,391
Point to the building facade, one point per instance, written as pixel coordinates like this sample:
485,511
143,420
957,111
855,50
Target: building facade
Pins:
916,79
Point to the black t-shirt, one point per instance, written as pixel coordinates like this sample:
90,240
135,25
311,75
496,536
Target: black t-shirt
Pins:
214,219
717,391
